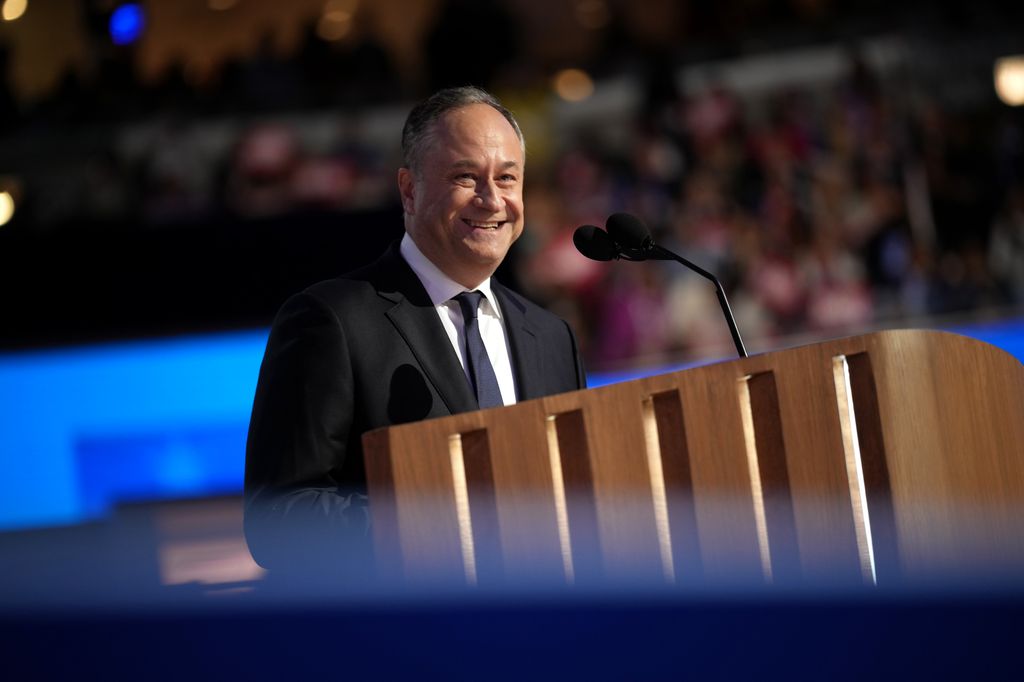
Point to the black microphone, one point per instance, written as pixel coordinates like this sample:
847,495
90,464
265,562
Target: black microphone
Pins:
634,239
630,238
629,232
594,243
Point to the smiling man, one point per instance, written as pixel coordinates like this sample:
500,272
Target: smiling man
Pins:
422,332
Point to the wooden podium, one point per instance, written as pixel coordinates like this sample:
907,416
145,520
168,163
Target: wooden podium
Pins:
893,457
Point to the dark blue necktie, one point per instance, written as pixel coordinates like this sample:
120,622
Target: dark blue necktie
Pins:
481,372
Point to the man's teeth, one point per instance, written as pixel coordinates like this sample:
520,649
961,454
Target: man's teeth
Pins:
489,226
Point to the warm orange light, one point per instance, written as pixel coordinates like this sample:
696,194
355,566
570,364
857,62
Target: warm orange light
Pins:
573,85
334,25
336,20
6,208
1009,80
13,9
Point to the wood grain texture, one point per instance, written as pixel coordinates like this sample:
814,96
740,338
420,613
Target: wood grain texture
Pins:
952,421
941,419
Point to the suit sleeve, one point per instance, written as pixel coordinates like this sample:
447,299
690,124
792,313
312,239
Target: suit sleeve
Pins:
296,512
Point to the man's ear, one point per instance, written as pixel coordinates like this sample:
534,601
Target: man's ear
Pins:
406,187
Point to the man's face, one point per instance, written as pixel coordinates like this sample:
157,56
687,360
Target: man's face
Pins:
464,204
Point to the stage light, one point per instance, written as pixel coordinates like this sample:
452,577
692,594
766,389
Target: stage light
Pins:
336,20
13,9
573,85
1009,79
126,24
6,208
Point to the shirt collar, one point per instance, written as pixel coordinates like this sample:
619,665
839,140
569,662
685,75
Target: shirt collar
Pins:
440,287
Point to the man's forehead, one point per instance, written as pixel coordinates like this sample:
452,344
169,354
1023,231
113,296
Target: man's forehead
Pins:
475,121
471,136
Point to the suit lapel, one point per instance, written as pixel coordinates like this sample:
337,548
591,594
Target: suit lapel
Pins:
415,318
523,345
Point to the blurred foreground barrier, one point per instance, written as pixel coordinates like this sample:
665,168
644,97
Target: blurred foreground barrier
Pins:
895,458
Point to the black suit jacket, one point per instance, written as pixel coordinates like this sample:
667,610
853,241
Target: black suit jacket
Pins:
353,354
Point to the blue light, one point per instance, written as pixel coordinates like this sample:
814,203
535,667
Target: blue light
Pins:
82,429
126,24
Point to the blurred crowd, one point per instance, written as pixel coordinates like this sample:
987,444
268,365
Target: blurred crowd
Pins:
824,210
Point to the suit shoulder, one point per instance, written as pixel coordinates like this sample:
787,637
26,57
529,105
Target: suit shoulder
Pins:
340,289
354,285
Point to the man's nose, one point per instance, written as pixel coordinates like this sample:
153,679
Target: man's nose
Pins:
487,196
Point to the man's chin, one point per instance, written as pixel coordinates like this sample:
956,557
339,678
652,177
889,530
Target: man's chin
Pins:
493,244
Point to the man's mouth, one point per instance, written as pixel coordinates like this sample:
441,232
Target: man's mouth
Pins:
484,225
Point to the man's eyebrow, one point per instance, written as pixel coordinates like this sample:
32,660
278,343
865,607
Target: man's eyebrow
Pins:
469,163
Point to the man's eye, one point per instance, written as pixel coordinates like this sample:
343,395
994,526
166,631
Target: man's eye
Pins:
508,177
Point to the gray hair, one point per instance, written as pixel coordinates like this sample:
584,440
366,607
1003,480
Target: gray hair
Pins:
417,130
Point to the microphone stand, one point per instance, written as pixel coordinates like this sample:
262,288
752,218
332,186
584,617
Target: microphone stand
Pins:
662,253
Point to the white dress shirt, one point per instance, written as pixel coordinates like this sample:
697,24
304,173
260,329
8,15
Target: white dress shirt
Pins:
442,289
